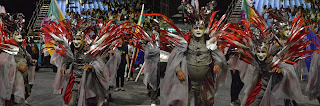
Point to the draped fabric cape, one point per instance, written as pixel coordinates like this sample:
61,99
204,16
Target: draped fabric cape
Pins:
8,78
12,82
175,92
113,65
301,66
237,64
152,57
31,74
313,86
92,84
287,88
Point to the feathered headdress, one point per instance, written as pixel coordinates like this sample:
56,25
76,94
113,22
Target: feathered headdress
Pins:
198,16
8,25
246,40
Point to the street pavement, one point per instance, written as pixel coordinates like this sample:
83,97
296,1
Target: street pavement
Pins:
135,93
42,92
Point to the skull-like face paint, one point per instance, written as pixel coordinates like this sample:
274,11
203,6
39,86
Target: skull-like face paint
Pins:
77,42
198,31
18,37
262,52
286,31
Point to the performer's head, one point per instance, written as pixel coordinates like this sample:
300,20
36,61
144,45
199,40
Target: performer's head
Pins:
198,17
198,28
17,37
77,41
262,52
286,30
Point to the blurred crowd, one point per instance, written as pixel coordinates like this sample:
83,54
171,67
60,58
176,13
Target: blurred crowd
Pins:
312,15
123,11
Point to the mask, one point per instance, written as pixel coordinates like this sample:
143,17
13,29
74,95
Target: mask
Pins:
262,52
198,31
77,43
286,31
18,37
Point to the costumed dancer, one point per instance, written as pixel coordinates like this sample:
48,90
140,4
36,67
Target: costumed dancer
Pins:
8,70
25,65
234,65
193,60
281,29
84,77
151,48
271,76
313,86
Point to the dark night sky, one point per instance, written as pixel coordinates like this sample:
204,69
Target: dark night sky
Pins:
20,6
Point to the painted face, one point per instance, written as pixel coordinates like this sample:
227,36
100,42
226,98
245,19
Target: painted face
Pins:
262,52
18,37
286,31
77,43
198,31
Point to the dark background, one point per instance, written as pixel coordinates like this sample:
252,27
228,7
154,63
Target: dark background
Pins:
20,6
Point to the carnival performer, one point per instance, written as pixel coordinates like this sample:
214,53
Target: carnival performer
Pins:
193,60
234,65
84,76
313,86
270,77
8,48
20,80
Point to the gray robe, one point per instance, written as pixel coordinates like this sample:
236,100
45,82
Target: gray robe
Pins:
275,92
313,86
7,77
152,57
92,84
175,92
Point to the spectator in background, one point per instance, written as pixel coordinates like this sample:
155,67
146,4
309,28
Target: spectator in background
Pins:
123,49
46,55
113,5
28,47
318,17
67,12
125,6
270,7
88,12
35,52
82,12
72,11
110,15
313,15
92,13
130,53
294,10
288,9
281,8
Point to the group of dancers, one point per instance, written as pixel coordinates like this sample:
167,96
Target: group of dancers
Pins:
84,77
264,55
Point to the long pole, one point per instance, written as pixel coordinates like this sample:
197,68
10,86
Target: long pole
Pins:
134,56
141,70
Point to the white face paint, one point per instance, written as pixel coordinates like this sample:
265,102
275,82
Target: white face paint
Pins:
262,52
77,43
286,31
198,31
18,38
